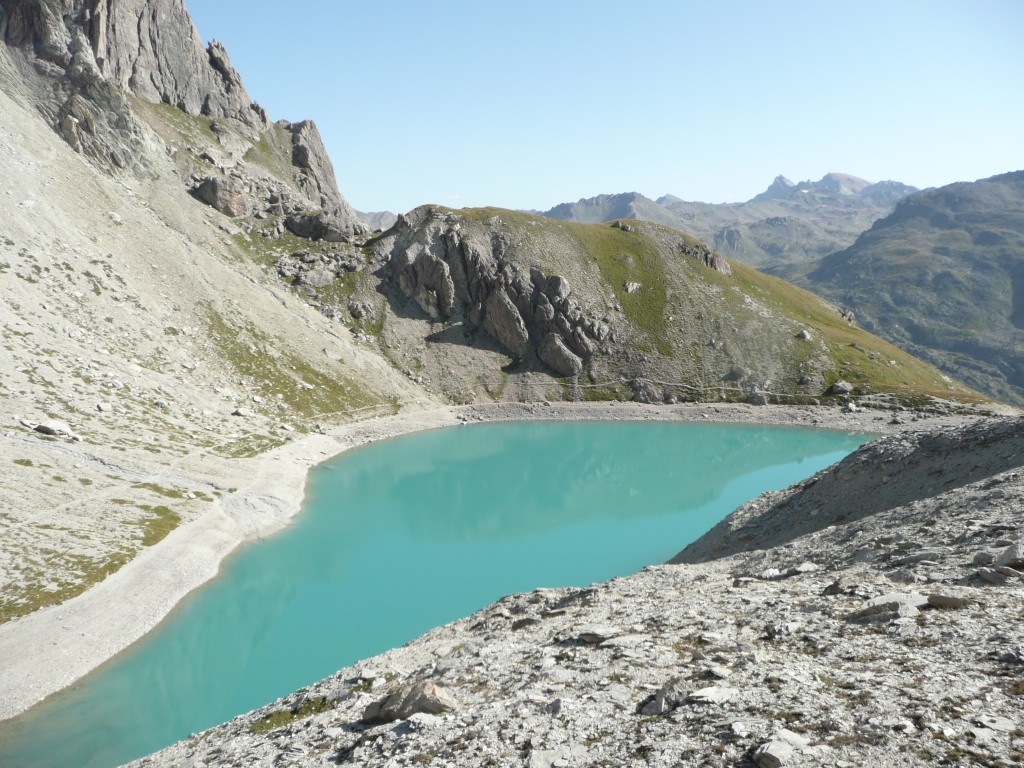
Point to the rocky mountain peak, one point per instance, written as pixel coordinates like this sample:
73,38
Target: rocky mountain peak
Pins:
149,48
781,187
80,60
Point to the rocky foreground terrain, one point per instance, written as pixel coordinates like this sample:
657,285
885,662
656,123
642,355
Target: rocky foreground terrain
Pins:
867,616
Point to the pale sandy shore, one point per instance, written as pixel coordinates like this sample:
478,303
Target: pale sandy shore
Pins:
49,650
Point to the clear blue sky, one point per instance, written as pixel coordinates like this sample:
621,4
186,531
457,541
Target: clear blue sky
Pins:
527,104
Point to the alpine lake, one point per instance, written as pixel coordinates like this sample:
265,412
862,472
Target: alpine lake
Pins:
404,535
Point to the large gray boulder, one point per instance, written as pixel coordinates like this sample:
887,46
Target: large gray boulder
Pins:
556,355
425,697
223,194
504,323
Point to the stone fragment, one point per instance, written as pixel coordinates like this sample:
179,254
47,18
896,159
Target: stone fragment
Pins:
773,754
991,576
781,749
54,429
985,557
597,633
928,553
947,600
556,355
1013,555
715,694
841,388
666,698
424,696
902,605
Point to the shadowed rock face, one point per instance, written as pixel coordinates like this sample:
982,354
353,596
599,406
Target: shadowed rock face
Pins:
149,48
455,275
943,277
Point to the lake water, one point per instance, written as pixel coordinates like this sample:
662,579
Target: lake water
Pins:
405,535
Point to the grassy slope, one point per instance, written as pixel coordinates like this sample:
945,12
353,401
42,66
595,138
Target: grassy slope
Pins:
681,302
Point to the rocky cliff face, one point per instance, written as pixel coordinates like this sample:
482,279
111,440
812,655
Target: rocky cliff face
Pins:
149,48
82,61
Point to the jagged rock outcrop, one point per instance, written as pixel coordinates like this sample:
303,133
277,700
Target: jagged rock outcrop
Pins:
149,48
557,356
454,275
82,58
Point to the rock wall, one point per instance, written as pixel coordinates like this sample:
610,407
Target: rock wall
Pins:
149,48
455,274
81,58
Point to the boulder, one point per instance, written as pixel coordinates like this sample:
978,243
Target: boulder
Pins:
504,323
424,697
557,288
221,194
666,698
841,388
54,429
320,277
557,356
318,226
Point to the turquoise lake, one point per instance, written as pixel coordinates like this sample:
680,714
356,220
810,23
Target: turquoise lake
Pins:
404,535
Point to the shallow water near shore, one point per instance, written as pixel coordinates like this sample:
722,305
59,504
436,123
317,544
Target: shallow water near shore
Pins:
404,535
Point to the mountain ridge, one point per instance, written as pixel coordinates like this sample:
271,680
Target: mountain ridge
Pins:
943,275
789,223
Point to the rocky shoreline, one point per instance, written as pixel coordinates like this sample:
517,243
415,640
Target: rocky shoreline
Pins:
52,648
888,634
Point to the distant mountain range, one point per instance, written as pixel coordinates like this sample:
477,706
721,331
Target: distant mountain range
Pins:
943,277
786,224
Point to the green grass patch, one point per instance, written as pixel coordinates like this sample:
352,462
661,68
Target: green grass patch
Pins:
869,363
630,257
170,493
23,462
159,522
308,391
282,717
37,591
